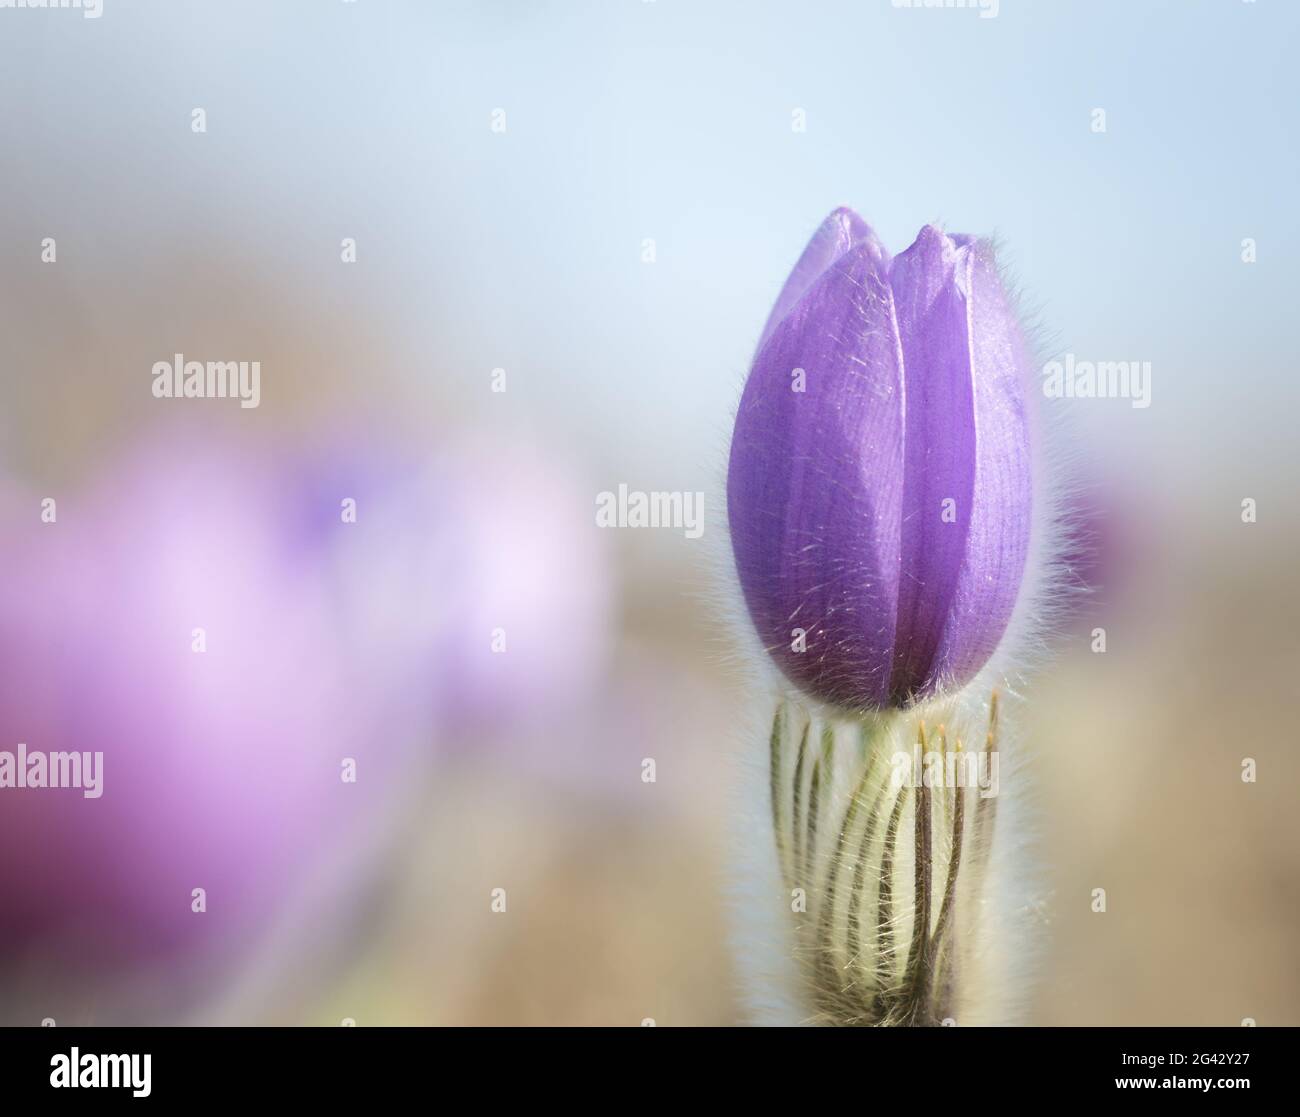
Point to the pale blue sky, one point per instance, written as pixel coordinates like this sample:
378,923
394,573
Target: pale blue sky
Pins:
671,119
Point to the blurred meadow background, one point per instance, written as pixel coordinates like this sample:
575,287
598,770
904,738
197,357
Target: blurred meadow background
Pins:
593,206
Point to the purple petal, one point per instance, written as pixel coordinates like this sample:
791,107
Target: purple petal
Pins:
998,533
939,448
815,484
966,442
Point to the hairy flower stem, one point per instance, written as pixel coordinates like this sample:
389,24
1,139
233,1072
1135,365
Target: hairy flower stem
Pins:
876,944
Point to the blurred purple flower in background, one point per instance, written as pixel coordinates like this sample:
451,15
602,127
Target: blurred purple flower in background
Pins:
879,483
475,577
349,603
221,767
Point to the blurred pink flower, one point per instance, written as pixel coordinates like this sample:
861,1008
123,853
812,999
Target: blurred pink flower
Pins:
478,579
324,636
221,767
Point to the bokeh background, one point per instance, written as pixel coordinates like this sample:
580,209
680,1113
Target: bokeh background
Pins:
615,250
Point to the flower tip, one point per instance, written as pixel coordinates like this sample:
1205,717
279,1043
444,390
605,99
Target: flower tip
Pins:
932,243
850,219
841,233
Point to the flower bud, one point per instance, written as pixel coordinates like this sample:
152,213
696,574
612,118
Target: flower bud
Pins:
879,487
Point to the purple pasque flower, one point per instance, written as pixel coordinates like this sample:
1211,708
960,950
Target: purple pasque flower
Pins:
879,489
